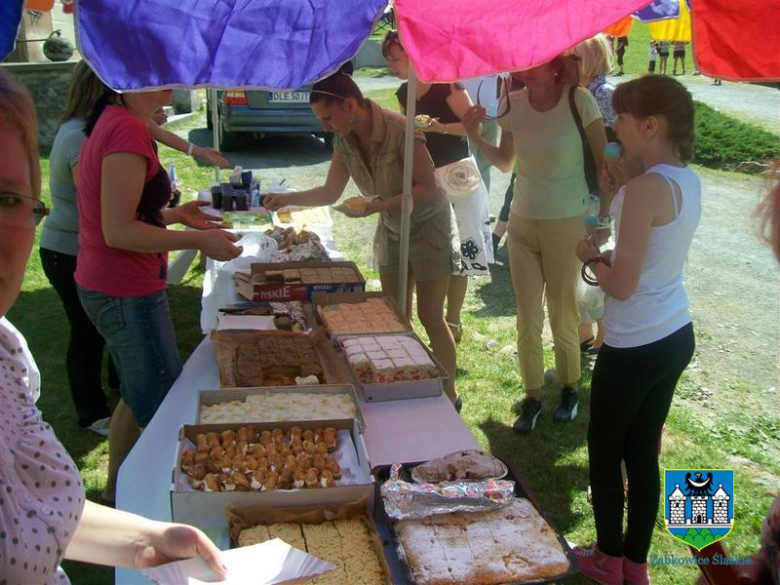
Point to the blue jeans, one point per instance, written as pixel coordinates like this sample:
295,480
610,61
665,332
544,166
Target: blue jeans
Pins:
140,336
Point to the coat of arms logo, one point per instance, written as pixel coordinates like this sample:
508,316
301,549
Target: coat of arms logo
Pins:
699,505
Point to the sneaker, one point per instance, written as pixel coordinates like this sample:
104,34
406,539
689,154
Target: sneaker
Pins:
100,426
598,566
567,409
531,409
635,573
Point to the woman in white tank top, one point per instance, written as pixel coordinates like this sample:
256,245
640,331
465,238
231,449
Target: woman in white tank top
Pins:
649,336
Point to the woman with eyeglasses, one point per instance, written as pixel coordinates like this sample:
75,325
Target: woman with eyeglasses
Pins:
123,257
60,245
44,517
444,104
369,148
546,220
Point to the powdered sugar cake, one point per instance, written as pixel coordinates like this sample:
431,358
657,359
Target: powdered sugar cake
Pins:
487,548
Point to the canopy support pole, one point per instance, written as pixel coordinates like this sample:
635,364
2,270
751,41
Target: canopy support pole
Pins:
407,203
212,95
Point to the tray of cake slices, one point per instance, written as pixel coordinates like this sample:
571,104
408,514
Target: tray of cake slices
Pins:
342,534
273,464
358,313
277,358
282,404
297,281
392,366
468,519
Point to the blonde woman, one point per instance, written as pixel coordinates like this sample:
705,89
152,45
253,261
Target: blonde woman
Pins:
595,56
546,220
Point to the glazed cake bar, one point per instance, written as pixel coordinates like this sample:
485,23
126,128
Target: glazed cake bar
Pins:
373,315
346,544
388,358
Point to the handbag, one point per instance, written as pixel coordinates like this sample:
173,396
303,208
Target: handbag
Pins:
591,175
460,179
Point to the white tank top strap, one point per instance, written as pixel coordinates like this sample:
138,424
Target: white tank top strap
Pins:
674,187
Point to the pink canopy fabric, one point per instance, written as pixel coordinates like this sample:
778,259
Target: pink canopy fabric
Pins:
449,40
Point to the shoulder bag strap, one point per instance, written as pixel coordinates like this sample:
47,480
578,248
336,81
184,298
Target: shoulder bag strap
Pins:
587,156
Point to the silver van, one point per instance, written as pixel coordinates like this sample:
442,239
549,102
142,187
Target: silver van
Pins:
259,113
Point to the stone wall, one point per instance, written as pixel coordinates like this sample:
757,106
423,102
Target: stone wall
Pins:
48,86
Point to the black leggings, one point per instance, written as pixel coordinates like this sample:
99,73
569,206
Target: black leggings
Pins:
508,196
631,393
85,346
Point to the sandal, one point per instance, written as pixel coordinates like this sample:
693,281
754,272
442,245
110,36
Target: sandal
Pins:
457,330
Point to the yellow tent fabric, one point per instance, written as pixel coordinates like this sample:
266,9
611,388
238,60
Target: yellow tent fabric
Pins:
677,29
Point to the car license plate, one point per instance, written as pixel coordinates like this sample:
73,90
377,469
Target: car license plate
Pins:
289,97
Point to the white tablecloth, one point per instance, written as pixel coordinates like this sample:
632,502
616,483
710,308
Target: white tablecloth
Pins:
403,430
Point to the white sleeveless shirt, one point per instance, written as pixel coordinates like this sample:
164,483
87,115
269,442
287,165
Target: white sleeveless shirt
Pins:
659,306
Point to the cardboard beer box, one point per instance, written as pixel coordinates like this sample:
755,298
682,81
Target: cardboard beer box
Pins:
298,281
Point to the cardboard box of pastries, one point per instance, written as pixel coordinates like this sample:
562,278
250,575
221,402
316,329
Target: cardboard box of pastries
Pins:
277,358
203,505
343,535
359,313
297,281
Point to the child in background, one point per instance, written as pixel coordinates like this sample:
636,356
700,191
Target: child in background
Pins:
663,55
678,54
653,53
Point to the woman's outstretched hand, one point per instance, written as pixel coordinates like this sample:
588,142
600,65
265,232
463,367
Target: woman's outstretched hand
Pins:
191,215
168,542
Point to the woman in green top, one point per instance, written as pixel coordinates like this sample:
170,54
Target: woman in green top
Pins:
369,148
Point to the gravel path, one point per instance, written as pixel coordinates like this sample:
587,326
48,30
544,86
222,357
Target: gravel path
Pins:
753,103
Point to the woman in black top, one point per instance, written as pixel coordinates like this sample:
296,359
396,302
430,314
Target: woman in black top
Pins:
440,107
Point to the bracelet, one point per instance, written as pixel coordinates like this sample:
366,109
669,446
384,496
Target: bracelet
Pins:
586,275
190,148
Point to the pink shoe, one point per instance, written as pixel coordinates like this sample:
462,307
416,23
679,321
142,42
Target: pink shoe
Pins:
635,573
601,568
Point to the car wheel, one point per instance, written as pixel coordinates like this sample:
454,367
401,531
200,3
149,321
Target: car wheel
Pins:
328,138
228,141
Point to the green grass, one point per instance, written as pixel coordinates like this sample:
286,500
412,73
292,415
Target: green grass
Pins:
553,459
723,141
372,72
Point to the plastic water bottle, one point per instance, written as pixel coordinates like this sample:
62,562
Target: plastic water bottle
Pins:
175,193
